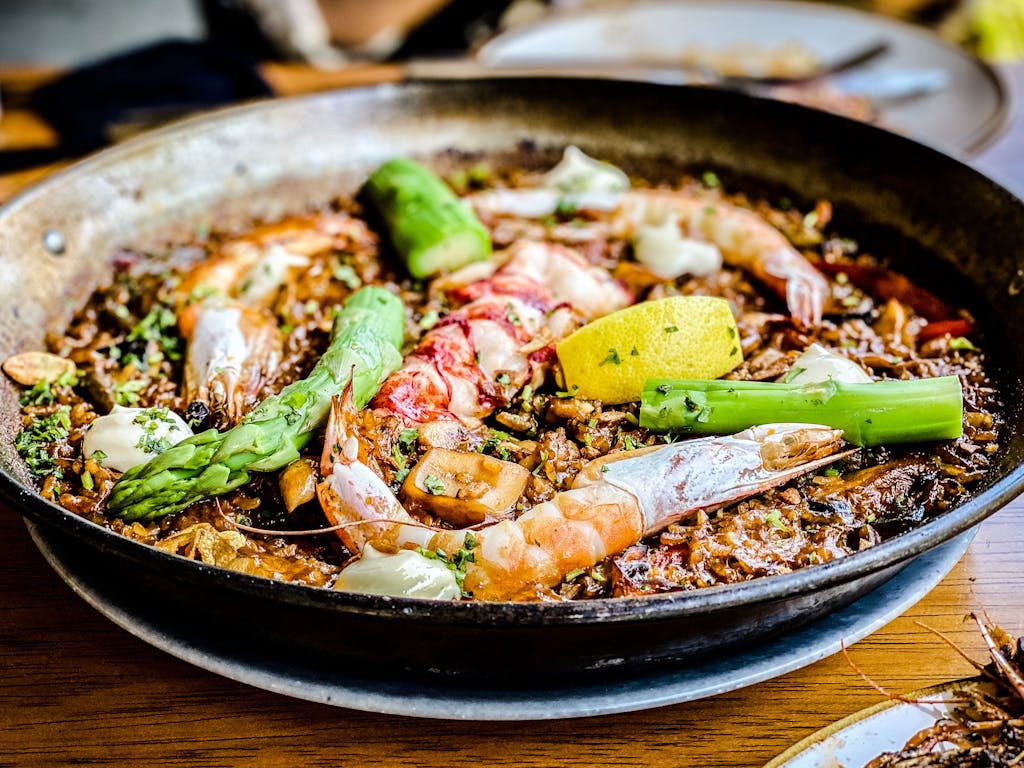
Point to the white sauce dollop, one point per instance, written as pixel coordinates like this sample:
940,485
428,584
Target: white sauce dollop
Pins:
403,574
578,182
577,173
817,365
662,248
129,436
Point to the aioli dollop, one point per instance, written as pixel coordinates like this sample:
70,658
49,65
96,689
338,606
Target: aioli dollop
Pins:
817,365
577,173
662,248
127,437
403,574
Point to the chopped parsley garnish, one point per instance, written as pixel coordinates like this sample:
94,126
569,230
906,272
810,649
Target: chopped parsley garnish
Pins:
457,562
775,518
150,421
664,388
127,392
403,448
503,378
959,343
434,484
42,393
612,357
33,442
565,208
398,457
407,437
571,392
526,396
153,327
512,315
152,444
540,467
493,443
710,180
344,274
634,352
429,319
671,329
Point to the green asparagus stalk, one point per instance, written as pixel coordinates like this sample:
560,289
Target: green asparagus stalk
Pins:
875,413
365,342
430,228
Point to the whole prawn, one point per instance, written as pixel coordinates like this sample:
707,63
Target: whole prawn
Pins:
233,341
745,239
615,501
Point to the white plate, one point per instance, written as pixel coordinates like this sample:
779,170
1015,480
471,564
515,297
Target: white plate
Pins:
856,740
961,117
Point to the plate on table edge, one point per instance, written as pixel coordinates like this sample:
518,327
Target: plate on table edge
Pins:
857,739
442,698
963,117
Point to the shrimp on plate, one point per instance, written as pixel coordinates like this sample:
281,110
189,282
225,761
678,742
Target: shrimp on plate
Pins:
615,501
743,238
233,341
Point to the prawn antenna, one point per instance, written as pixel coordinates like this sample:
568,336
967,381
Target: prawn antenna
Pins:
889,694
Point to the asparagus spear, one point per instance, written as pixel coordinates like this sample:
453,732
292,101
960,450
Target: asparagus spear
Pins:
365,342
430,228
874,413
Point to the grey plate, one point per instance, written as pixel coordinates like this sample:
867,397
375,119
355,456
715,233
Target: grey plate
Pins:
963,116
445,699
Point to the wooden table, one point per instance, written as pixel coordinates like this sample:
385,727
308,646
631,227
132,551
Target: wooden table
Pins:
75,689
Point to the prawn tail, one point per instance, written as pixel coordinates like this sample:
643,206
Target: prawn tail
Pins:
805,298
363,506
341,427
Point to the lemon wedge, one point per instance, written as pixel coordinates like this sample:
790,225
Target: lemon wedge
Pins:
681,337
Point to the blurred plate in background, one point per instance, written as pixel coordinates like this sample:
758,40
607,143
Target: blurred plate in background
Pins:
774,37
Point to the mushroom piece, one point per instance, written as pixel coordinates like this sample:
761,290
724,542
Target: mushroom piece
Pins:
31,368
464,488
297,482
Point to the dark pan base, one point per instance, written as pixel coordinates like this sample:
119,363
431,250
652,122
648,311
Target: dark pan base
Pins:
341,684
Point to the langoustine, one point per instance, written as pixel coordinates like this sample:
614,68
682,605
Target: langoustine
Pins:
501,337
225,315
614,502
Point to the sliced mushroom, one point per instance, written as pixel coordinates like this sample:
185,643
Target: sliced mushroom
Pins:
298,483
442,434
464,488
31,368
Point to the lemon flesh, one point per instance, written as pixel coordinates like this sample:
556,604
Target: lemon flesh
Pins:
682,337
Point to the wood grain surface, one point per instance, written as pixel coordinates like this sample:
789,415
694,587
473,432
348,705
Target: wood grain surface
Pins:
77,690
